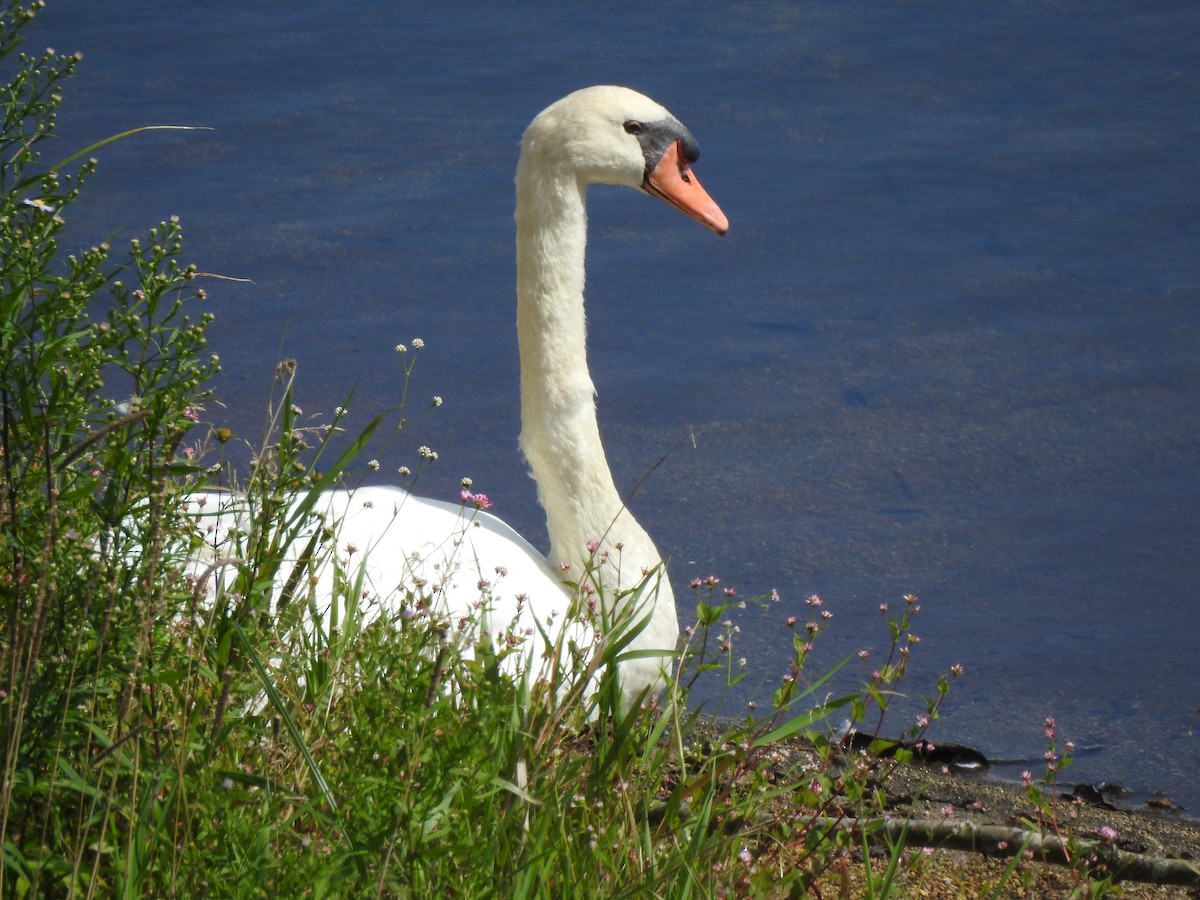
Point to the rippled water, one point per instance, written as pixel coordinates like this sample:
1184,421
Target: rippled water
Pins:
951,345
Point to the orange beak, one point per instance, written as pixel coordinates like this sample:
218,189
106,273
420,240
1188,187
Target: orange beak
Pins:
673,181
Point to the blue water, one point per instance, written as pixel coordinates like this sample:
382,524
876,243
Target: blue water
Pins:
950,346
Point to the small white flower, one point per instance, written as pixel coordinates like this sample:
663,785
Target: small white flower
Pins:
437,401
373,465
339,411
400,348
404,471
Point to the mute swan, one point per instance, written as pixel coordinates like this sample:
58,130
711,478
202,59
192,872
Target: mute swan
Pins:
456,555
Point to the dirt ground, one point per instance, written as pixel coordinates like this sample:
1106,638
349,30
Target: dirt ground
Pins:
927,793
946,800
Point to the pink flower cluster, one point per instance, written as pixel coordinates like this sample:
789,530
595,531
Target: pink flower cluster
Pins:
479,501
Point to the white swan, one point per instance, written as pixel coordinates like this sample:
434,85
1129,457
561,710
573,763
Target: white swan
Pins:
405,546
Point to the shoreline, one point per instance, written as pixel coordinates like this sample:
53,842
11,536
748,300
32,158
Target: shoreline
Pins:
960,819
977,802
981,801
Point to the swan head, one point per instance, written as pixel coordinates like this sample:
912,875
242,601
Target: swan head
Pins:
613,135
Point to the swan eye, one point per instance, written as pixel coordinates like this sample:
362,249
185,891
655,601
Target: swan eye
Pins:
633,127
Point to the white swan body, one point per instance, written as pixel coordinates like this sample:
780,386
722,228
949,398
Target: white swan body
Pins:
598,135
403,555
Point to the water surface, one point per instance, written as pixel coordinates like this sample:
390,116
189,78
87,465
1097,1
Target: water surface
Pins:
950,346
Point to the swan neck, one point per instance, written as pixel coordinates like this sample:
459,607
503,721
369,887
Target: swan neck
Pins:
559,432
551,244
